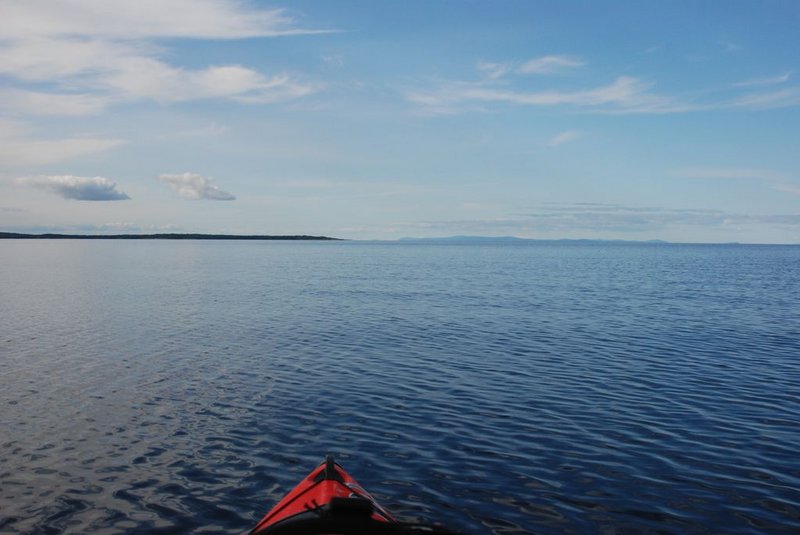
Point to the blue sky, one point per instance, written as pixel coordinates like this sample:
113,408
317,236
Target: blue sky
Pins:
379,120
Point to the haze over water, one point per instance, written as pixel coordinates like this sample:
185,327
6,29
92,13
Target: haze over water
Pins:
176,387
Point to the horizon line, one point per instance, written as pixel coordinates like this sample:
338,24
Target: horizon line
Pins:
306,237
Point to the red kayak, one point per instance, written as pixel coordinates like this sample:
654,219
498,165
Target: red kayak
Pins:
330,501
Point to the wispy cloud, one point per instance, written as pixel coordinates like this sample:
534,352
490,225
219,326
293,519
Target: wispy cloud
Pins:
770,80
500,82
775,180
550,65
637,218
19,153
117,227
334,61
542,65
783,98
20,148
209,130
596,219
79,188
625,95
729,46
564,137
194,186
128,227
492,70
727,173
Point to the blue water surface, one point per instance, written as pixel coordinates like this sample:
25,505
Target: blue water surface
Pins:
185,386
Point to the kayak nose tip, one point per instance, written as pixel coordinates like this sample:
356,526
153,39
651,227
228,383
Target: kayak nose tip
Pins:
330,473
330,468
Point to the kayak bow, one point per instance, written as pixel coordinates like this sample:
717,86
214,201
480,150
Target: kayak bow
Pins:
331,501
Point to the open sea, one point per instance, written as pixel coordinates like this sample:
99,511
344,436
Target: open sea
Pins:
167,387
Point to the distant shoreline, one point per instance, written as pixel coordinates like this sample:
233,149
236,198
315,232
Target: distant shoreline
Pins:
169,236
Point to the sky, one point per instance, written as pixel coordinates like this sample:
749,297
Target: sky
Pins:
635,120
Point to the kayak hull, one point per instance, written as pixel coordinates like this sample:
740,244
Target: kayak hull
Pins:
328,495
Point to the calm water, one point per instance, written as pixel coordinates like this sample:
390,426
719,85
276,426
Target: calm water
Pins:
183,387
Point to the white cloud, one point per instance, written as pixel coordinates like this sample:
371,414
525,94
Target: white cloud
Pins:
80,188
153,79
109,71
549,65
194,186
40,59
18,101
564,137
97,74
84,55
122,19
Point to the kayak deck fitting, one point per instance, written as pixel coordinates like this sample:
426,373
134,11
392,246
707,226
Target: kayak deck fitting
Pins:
330,501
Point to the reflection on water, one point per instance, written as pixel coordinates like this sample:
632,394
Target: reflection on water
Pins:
184,387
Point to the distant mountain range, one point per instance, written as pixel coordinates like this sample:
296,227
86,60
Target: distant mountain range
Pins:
14,235
513,239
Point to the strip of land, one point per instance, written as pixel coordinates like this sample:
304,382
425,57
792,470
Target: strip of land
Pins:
18,236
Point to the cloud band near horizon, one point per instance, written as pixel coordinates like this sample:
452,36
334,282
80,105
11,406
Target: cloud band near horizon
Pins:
78,188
